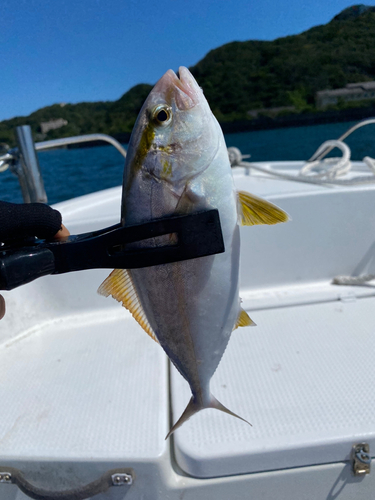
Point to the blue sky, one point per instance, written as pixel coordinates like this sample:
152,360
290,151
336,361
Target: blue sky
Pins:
89,50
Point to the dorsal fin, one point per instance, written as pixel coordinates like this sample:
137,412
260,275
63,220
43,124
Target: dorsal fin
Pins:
243,320
253,211
120,285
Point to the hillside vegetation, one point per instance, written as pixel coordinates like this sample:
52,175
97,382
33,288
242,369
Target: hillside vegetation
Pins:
241,76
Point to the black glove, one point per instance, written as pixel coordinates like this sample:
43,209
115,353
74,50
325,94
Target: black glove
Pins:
27,220
19,222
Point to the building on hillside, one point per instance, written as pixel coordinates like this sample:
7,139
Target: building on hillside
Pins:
52,125
352,92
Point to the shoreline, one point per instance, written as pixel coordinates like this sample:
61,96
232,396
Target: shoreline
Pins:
268,123
298,120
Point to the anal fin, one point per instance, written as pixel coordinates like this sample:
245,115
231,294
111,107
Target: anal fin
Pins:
244,320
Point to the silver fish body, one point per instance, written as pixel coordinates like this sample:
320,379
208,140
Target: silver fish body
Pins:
178,163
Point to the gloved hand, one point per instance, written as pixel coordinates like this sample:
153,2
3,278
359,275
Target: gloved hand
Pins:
28,220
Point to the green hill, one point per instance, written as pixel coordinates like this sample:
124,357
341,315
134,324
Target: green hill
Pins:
114,118
242,76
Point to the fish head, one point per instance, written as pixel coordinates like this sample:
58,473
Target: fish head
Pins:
176,135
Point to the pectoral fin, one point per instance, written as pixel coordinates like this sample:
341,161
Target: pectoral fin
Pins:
253,211
119,284
244,320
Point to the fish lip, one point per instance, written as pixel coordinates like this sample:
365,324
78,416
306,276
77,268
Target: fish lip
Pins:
189,84
188,80
184,90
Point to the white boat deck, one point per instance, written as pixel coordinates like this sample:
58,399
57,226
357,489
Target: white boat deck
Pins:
84,390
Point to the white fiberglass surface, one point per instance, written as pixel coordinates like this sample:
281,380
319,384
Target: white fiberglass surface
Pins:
303,377
80,380
331,232
88,386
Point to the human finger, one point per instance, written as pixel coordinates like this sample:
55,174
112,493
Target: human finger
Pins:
62,233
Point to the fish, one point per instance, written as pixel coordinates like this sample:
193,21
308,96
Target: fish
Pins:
177,163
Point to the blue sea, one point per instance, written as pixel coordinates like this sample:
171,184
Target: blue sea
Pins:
68,173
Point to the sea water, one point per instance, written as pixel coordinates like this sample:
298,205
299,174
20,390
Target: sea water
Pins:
69,173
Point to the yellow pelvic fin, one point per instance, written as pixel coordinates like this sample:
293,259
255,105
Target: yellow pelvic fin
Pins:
244,320
253,211
120,285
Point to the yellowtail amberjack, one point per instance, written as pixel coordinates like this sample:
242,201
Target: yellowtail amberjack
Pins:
177,163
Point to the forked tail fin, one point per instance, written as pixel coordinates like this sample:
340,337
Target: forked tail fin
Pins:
194,407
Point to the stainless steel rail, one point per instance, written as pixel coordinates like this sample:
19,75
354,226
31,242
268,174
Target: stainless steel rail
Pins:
27,168
58,143
23,161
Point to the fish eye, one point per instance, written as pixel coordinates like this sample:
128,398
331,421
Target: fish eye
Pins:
162,115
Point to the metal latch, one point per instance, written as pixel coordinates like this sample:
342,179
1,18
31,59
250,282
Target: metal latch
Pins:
361,459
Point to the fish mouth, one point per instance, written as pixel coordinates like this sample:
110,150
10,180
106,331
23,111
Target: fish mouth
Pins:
184,90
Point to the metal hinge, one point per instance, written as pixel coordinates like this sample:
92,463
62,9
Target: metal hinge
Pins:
5,477
361,459
122,479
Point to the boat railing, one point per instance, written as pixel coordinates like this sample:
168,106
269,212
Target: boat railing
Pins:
318,169
23,160
79,139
